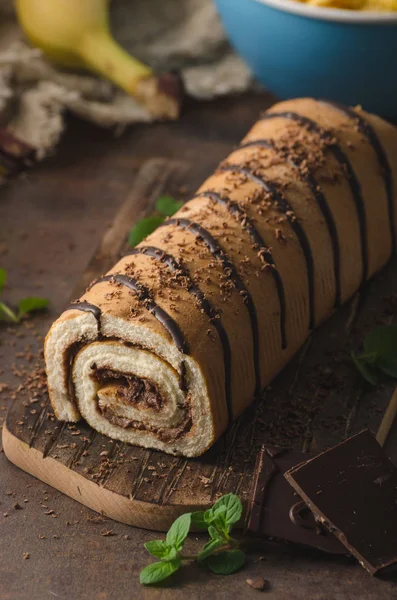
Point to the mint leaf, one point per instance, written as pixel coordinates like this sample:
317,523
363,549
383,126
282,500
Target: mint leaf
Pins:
157,548
388,367
3,278
209,548
228,508
28,305
209,516
178,531
382,341
367,371
172,553
227,562
380,354
143,228
217,517
215,534
158,571
167,205
198,520
6,314
220,513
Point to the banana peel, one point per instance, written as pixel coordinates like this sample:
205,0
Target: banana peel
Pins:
76,34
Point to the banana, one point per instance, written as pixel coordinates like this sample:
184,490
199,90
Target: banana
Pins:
76,34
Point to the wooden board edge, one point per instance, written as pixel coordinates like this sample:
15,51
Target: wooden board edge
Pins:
119,508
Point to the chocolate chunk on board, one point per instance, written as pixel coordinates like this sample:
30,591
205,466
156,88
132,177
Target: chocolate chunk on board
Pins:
276,510
352,488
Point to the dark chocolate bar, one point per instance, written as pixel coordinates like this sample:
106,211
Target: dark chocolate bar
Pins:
352,489
276,511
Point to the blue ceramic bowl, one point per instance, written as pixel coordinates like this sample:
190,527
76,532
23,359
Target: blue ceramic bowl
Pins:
297,50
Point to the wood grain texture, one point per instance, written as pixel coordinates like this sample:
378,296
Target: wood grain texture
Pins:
315,402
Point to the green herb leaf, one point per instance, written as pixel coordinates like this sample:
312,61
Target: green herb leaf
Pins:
217,517
228,508
167,205
6,314
227,562
28,305
367,371
215,534
382,341
178,531
198,520
158,571
172,553
388,367
209,548
143,228
220,553
219,513
3,278
380,354
157,548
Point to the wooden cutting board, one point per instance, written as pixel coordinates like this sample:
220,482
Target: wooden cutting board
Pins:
315,402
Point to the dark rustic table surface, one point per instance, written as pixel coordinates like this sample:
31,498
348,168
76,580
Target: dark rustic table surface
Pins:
51,221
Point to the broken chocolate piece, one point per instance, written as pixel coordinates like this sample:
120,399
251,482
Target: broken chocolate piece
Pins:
352,488
276,511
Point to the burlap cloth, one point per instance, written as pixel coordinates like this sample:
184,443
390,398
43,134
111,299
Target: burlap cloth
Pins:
174,34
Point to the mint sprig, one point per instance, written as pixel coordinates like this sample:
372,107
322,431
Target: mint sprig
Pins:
24,307
380,354
221,554
165,206
143,228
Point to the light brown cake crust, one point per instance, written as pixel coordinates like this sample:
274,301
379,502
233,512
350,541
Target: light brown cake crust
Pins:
218,299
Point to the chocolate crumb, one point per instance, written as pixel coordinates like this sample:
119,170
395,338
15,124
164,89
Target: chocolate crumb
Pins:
259,583
97,520
280,236
107,533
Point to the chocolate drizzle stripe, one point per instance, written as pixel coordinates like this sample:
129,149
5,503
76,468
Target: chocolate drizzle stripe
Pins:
284,207
246,224
215,320
369,132
348,171
321,200
87,307
143,295
218,253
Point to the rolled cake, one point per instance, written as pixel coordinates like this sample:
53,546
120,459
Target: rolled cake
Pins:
174,342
